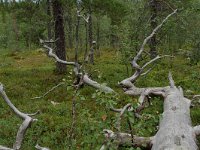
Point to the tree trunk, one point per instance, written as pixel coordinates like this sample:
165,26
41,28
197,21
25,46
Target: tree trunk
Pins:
91,54
86,42
49,20
69,22
70,27
152,43
113,36
77,32
175,130
98,37
60,35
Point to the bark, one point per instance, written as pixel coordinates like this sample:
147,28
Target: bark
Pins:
90,32
77,31
49,20
153,42
60,35
98,37
70,29
86,42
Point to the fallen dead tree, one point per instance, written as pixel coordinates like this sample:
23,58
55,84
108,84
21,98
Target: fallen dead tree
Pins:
175,129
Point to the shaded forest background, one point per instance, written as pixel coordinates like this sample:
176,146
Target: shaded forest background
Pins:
117,24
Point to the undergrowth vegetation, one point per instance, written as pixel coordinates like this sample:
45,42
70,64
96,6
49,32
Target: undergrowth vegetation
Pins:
27,74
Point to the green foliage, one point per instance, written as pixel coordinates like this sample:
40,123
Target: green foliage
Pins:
24,79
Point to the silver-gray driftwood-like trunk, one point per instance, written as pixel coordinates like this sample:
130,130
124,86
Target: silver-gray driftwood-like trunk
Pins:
175,129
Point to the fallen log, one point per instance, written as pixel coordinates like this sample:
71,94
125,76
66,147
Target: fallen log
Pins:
175,129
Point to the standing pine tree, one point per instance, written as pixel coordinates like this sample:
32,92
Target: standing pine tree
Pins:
59,35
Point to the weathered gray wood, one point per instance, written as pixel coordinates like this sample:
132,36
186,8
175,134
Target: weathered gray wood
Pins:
26,117
4,148
81,75
175,129
38,147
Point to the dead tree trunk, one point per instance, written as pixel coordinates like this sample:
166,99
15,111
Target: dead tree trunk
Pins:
60,35
175,129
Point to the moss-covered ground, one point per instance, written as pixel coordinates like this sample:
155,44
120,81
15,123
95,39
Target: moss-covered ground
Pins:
27,74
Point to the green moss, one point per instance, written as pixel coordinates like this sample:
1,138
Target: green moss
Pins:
29,74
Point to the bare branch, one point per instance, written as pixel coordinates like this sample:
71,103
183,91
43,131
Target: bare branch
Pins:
84,18
5,148
49,41
128,83
171,81
79,74
150,36
34,114
145,73
196,96
53,88
126,139
118,122
153,60
24,126
96,85
41,148
51,54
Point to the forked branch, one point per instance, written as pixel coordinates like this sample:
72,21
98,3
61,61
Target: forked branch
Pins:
26,123
150,36
77,71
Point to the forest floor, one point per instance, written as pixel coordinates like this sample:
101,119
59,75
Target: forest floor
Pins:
27,74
